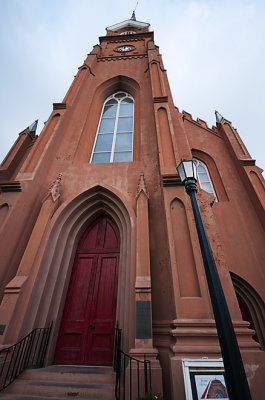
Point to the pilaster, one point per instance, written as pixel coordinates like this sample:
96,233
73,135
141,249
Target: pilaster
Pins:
143,296
18,290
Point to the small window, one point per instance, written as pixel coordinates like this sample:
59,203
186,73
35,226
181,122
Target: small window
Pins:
204,177
127,33
114,139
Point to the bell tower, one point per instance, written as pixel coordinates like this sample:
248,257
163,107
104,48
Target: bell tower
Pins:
96,228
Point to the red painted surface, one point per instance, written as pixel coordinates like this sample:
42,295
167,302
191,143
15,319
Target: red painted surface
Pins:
87,329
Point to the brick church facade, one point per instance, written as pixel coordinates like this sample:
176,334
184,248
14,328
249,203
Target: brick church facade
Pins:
96,226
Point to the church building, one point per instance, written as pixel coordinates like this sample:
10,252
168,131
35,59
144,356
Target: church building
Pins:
97,231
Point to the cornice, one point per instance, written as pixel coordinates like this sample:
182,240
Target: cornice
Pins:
124,57
126,38
128,22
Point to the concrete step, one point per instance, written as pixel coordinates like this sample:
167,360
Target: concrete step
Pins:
63,382
75,374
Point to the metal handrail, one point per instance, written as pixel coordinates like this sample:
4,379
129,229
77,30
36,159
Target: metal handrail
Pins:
127,367
28,352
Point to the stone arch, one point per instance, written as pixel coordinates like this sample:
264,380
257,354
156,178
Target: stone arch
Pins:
254,304
54,272
102,92
214,173
119,82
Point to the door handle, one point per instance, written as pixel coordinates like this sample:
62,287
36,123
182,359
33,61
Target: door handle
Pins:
91,326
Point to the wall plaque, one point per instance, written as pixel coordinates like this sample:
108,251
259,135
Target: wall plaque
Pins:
2,329
143,320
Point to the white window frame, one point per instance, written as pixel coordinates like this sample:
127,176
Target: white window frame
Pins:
200,163
127,95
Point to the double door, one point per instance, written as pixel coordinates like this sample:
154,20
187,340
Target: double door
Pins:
87,329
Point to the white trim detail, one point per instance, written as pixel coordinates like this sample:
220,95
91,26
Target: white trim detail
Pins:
128,22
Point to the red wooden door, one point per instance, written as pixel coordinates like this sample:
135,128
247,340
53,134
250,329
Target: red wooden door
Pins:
87,329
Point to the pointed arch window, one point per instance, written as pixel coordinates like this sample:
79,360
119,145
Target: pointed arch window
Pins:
114,139
204,177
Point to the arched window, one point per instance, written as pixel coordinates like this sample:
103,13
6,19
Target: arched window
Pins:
114,139
204,177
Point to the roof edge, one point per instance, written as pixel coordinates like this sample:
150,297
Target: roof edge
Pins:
127,22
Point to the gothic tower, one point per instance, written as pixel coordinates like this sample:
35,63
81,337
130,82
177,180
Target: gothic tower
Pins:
96,227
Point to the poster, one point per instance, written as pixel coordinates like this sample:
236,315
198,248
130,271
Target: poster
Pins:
208,385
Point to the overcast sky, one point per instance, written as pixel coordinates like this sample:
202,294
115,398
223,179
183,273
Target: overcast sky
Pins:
214,53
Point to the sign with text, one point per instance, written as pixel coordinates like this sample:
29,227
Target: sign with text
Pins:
204,379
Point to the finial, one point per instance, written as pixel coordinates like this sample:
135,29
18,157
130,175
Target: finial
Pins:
33,126
218,117
142,187
133,16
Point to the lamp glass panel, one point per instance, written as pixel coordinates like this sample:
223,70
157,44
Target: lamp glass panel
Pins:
188,166
195,171
181,172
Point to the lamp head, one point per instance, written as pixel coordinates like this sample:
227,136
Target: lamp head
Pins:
187,170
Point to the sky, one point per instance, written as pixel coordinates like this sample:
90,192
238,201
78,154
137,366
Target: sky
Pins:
214,53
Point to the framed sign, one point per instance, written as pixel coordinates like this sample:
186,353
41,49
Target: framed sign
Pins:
204,379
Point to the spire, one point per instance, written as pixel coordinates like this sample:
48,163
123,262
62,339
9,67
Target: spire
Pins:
133,18
218,117
33,126
30,130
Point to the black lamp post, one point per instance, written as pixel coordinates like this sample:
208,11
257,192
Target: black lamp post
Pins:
236,380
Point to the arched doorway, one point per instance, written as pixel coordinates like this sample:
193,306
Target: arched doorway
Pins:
87,329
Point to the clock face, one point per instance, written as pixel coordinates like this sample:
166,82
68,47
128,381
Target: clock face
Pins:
124,48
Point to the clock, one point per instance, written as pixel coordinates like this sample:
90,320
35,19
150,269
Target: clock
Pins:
124,48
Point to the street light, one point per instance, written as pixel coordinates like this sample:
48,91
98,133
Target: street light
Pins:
236,380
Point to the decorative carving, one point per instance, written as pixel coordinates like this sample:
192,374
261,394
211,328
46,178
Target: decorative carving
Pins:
142,187
115,58
54,189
